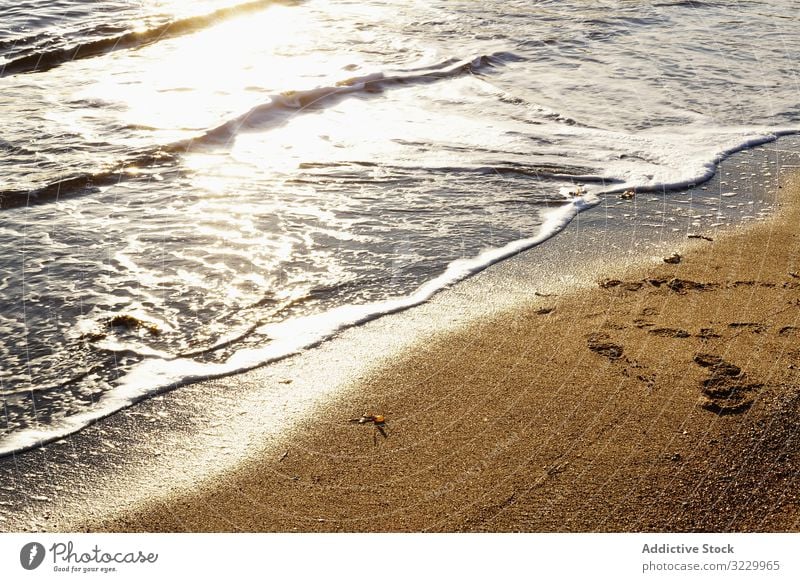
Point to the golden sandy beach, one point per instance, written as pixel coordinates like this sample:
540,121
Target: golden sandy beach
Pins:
662,399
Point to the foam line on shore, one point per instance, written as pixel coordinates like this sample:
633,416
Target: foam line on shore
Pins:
156,375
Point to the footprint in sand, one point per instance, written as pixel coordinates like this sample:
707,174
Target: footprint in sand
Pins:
754,327
669,332
708,333
641,322
684,285
766,284
621,285
727,390
600,344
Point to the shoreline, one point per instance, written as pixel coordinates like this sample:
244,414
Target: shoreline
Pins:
184,446
665,399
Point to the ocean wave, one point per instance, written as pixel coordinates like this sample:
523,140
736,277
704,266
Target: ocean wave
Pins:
276,110
540,171
289,103
79,183
45,59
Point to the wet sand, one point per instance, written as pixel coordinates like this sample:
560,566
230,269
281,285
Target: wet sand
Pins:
664,398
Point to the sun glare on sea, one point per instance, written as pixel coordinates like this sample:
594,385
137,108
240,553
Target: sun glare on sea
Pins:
183,85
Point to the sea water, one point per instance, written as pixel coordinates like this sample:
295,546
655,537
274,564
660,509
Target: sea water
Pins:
191,189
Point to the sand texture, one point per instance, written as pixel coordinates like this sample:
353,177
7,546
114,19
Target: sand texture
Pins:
662,399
